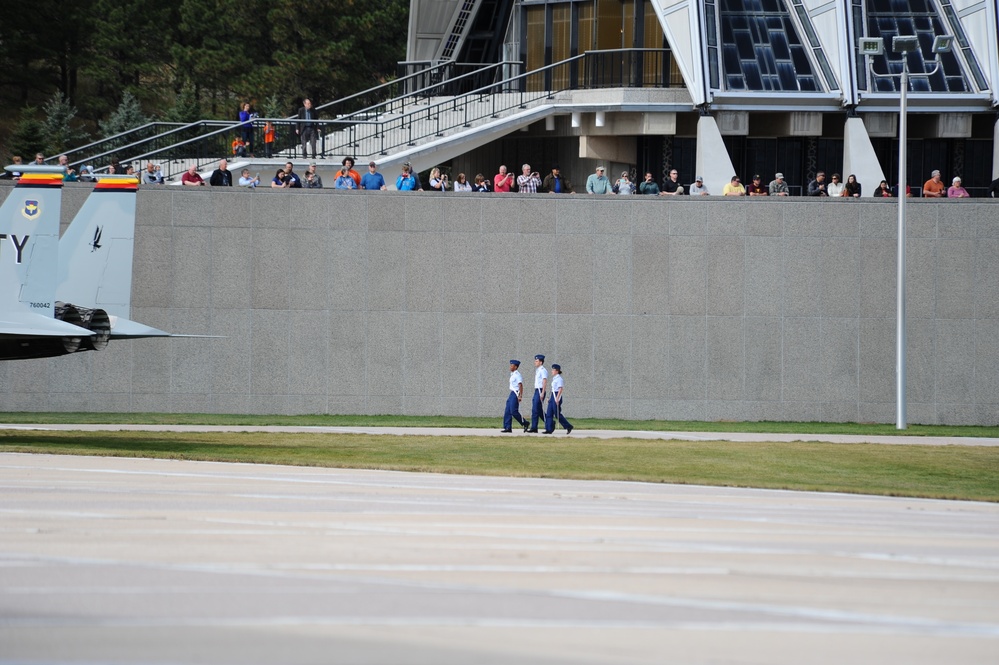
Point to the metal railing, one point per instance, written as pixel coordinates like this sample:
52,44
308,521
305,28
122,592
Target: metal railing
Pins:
361,128
389,129
155,138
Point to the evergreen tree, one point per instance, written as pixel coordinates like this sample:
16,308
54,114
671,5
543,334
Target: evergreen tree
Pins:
57,127
272,107
28,136
127,116
186,109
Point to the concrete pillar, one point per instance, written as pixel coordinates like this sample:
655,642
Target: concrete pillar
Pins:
712,160
859,157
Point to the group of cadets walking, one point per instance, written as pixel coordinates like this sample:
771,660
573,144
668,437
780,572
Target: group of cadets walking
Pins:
555,401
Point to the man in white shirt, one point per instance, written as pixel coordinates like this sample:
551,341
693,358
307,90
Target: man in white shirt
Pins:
540,385
513,399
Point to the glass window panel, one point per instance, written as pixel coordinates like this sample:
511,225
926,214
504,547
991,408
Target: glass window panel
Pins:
732,63
779,43
785,71
753,79
745,45
888,18
757,37
955,84
799,58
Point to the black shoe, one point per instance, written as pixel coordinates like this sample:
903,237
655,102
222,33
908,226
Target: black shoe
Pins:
531,431
568,430
526,426
548,432
506,430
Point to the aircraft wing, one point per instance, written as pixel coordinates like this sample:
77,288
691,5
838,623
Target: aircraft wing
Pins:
23,324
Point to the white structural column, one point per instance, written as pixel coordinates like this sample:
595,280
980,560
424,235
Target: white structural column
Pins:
713,161
859,157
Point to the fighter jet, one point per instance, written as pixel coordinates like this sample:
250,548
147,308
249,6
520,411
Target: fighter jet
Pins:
31,326
95,257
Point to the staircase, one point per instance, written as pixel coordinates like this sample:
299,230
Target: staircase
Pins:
401,124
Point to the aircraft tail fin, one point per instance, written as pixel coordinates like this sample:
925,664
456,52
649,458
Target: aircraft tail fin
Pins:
29,239
95,252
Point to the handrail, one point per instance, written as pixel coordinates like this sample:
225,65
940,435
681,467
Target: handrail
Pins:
425,122
108,153
114,137
429,88
368,131
387,84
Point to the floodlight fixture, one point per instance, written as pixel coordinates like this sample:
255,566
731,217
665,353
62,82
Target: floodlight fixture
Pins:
943,43
904,44
871,46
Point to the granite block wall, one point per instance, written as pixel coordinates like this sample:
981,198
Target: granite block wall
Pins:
354,302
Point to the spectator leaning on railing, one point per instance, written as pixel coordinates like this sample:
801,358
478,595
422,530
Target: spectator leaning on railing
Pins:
934,187
956,191
778,187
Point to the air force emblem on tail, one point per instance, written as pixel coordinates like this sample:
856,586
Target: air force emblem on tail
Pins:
31,209
95,244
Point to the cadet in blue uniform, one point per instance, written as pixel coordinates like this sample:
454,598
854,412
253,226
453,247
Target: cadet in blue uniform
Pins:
555,404
540,385
513,399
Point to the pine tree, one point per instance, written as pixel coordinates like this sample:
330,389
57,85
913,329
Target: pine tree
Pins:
57,127
127,116
28,136
186,109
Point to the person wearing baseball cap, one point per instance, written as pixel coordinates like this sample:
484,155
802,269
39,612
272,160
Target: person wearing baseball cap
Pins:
699,188
598,183
373,179
513,398
555,403
778,187
755,188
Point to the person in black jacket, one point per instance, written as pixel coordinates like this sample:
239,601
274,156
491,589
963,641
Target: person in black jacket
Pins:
307,131
222,176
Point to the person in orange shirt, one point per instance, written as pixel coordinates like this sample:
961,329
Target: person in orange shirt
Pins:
269,136
934,187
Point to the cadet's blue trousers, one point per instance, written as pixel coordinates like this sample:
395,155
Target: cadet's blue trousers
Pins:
555,409
512,412
537,409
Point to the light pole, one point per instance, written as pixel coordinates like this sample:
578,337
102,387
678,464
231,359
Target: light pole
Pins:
873,46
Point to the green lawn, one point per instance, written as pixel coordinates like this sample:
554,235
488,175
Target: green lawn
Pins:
951,472
455,421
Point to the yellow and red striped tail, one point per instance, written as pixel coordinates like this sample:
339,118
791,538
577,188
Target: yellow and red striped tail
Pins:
40,180
117,184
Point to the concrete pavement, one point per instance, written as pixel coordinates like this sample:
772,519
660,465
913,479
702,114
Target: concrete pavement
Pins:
138,561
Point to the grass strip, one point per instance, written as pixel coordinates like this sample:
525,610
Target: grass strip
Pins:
941,472
765,427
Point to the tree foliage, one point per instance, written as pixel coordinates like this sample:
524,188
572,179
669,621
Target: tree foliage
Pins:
28,136
127,116
205,55
58,126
